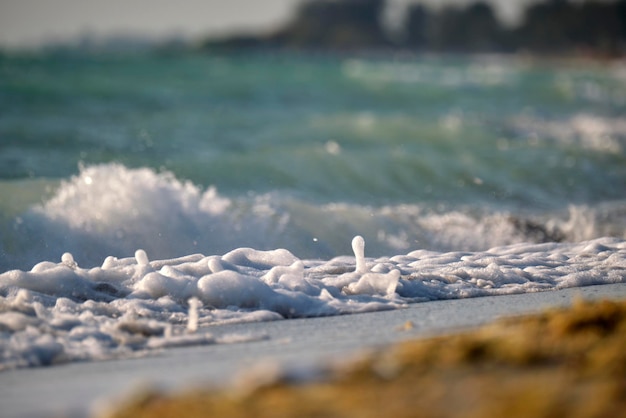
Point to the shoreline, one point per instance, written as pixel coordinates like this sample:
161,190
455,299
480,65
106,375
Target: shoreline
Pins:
530,58
302,345
559,362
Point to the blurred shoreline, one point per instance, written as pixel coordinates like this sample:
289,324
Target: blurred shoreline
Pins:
558,31
558,361
291,347
557,28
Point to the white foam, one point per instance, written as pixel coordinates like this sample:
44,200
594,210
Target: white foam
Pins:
192,321
109,219
358,246
60,312
494,71
585,130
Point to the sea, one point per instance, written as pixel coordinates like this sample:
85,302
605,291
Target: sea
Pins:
147,196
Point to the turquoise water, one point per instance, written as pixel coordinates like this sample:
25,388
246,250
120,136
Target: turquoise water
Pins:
101,154
147,198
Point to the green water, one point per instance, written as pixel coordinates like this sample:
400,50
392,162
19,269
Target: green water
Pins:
440,135
375,130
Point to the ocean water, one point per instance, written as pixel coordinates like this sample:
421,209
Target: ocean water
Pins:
147,197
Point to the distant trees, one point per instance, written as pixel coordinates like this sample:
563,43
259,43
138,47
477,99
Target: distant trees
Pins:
417,26
474,28
335,24
559,25
553,26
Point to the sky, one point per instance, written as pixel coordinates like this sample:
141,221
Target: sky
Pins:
26,23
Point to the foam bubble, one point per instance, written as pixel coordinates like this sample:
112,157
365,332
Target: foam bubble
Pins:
358,246
192,323
59,312
141,257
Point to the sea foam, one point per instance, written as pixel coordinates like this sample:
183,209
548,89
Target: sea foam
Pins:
60,312
111,210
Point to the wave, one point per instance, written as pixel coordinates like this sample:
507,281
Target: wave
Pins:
110,209
492,71
583,131
128,261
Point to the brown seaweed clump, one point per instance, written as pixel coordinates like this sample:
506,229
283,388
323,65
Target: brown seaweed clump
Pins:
560,363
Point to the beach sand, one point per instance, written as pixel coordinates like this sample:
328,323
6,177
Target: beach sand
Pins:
566,362
300,348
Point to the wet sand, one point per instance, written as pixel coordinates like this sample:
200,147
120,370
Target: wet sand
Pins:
300,346
566,362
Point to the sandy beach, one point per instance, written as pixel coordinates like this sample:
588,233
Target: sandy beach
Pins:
299,346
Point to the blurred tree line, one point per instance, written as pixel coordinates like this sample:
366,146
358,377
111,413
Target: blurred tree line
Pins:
554,26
